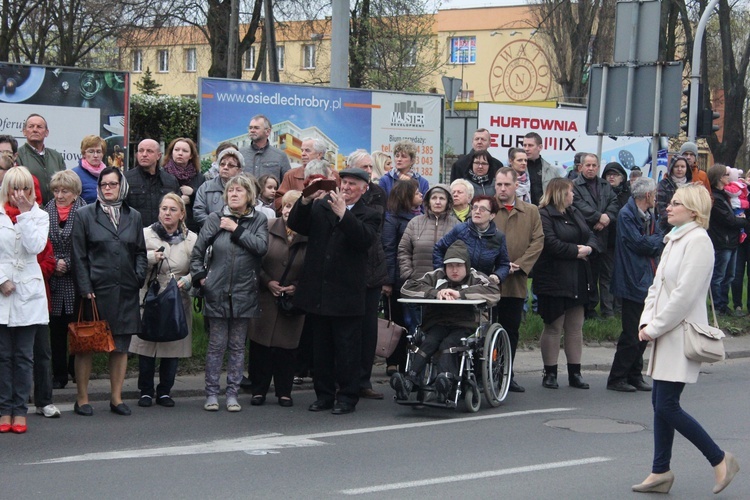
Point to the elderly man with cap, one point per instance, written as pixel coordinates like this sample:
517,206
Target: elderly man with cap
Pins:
340,230
690,151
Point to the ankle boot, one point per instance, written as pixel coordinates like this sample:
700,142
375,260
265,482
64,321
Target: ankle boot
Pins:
549,379
574,377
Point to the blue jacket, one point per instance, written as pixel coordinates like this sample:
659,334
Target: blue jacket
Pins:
488,251
637,251
391,178
88,183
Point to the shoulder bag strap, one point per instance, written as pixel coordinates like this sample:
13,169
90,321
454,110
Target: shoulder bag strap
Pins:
710,296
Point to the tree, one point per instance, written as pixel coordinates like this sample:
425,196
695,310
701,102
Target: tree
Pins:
581,33
392,45
14,14
147,85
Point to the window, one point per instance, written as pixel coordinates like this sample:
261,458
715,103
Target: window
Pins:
249,63
137,61
280,57
410,55
163,61
191,61
308,56
463,50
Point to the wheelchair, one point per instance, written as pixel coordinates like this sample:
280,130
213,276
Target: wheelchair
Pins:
485,363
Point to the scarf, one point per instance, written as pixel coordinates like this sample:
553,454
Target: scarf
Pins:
679,182
12,212
523,190
184,173
173,238
228,212
63,212
95,171
112,208
478,179
462,215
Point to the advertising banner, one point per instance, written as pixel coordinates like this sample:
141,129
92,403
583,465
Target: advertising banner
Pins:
345,119
563,133
74,102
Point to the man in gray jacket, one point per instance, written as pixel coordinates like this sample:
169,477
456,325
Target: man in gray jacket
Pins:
260,157
42,162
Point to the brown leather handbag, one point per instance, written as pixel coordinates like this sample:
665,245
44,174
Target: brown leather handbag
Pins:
90,336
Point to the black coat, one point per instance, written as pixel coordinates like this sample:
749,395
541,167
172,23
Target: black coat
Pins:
146,191
592,209
332,283
462,165
111,263
190,221
724,227
557,271
377,271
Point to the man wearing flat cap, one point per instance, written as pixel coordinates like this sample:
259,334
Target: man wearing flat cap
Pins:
340,230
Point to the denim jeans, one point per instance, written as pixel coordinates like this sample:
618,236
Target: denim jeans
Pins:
16,368
147,371
668,417
721,280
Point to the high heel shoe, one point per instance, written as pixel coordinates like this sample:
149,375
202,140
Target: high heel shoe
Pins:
659,483
732,468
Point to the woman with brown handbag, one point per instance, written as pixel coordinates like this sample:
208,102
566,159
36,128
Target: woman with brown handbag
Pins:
23,235
109,263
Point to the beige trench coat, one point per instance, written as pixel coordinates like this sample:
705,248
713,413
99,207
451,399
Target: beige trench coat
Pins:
524,237
178,257
678,293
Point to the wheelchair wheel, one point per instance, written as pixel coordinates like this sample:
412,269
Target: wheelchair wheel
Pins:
497,365
472,399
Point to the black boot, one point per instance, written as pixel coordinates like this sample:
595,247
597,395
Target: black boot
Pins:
574,377
549,379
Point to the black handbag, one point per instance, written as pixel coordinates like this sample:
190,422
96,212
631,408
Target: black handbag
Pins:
284,302
163,313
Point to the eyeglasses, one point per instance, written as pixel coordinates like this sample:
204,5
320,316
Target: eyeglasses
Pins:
228,165
483,163
97,152
109,185
675,204
480,208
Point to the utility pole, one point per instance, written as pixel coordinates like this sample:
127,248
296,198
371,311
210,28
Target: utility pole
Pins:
695,71
340,44
234,26
270,34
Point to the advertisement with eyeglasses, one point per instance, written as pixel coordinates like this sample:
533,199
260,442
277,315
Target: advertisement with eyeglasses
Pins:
74,102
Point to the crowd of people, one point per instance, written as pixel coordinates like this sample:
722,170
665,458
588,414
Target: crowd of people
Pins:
278,260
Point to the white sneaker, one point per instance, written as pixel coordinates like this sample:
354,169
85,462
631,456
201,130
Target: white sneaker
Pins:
211,404
232,404
49,411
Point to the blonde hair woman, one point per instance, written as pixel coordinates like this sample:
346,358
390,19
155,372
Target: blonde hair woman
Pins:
170,235
562,277
23,299
678,294
238,236
381,165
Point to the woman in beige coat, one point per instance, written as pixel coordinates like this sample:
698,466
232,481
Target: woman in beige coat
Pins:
171,234
275,337
679,294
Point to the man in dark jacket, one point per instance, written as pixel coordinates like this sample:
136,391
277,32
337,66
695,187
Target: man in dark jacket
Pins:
149,183
637,248
376,277
597,201
340,230
445,326
615,174
480,142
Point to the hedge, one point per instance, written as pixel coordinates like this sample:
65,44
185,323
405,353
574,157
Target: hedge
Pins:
162,118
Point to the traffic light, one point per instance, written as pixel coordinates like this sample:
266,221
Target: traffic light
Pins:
686,108
706,126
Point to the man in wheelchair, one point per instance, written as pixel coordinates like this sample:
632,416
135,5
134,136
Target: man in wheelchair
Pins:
444,327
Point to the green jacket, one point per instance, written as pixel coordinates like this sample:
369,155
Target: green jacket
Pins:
43,167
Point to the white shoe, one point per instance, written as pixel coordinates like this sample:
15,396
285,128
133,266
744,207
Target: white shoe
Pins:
49,411
212,404
232,404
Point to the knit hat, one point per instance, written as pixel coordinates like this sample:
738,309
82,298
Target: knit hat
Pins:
232,152
689,147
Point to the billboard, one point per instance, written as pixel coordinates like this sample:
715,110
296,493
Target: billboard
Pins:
563,132
345,119
75,102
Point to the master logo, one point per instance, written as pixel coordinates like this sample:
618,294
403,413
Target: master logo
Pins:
407,114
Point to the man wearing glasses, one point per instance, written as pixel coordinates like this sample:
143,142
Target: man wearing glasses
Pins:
260,156
42,162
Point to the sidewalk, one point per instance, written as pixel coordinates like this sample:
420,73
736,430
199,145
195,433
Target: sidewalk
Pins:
595,358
